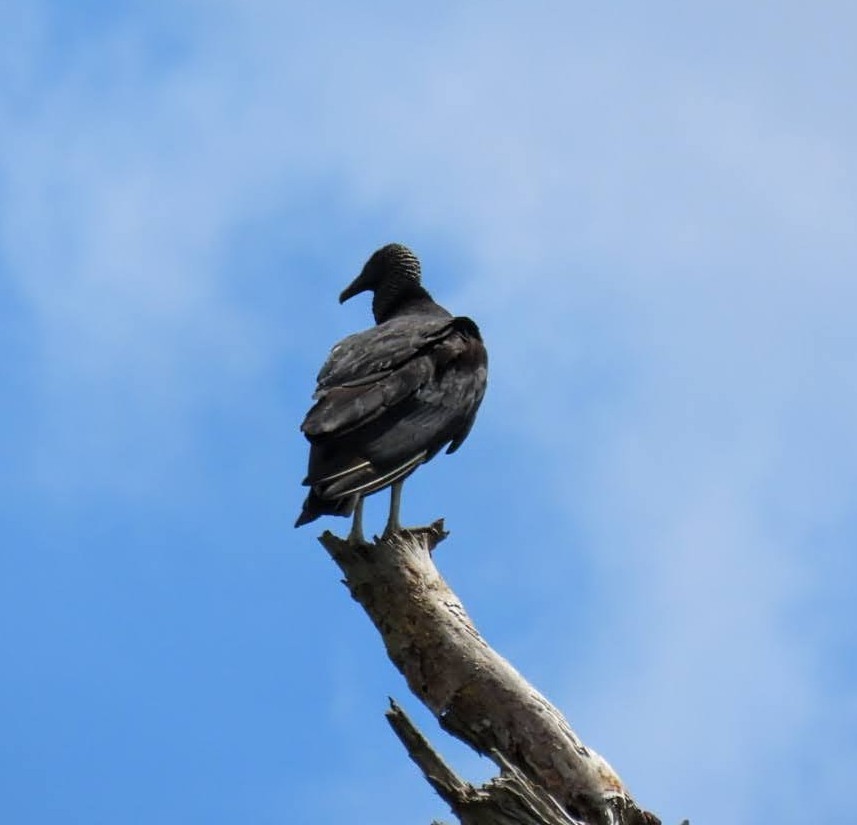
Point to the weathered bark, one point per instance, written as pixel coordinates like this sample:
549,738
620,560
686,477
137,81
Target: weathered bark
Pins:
476,696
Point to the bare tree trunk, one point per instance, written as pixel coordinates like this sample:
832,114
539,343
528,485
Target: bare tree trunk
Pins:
548,776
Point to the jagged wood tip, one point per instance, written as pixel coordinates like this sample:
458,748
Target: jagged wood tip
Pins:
449,786
433,533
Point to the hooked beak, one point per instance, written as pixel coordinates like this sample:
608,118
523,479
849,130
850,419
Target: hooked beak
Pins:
357,286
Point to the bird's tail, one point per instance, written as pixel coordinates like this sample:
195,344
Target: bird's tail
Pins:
315,506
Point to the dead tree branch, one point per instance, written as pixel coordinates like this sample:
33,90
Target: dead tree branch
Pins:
509,799
547,773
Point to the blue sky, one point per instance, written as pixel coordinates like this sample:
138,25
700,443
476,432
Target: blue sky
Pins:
649,211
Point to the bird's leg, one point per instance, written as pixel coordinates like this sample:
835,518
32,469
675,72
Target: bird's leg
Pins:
393,525
356,534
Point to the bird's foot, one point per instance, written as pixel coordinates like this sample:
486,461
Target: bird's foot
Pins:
356,539
391,529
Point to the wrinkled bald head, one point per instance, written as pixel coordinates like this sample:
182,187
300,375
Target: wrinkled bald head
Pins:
393,275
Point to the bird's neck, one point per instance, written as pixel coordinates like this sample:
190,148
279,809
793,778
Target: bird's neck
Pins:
393,299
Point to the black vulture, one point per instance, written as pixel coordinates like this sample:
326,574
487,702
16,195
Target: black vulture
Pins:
390,397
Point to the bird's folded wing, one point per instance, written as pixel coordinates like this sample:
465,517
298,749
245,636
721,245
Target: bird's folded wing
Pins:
342,408
428,373
370,355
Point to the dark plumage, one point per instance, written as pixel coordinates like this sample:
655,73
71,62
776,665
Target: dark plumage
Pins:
391,397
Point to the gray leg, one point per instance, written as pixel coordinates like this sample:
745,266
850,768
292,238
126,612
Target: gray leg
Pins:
356,534
393,525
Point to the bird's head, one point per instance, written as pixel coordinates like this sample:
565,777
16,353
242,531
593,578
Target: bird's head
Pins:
392,274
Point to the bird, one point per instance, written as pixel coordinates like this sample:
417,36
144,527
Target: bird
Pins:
389,398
